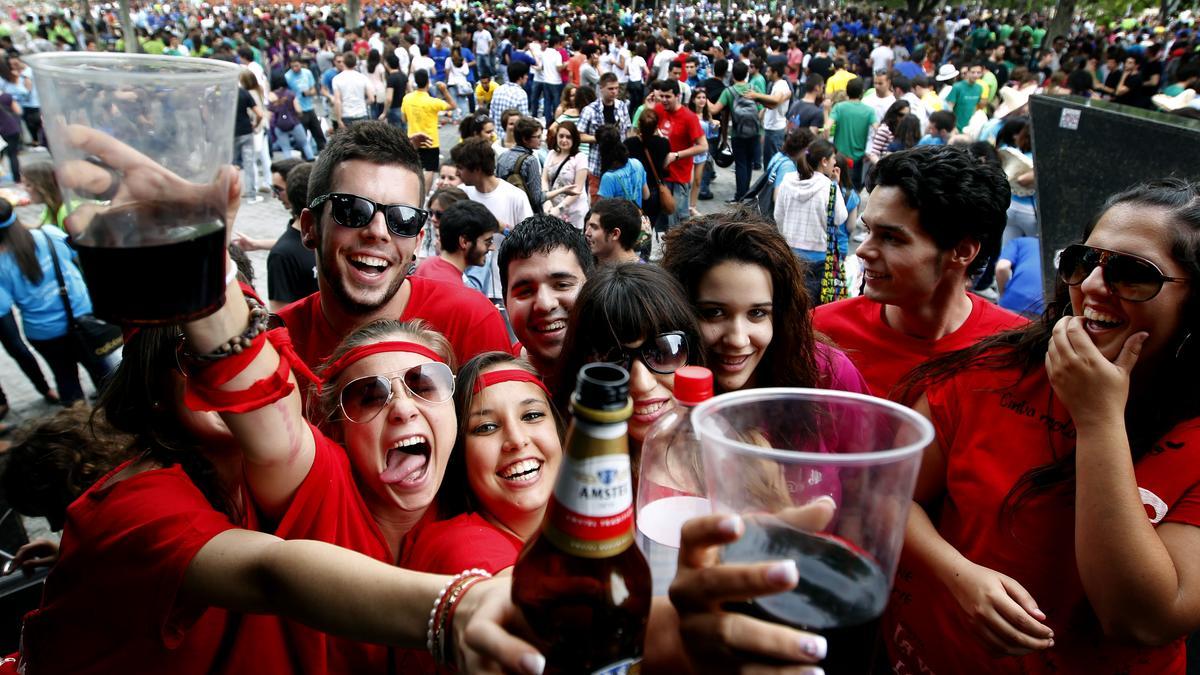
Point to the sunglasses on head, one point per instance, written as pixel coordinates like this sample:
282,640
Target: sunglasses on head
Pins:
362,398
1128,277
664,354
357,212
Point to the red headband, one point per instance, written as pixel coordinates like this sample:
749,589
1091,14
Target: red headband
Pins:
360,352
487,379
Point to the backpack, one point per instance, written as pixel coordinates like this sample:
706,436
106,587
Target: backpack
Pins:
285,114
515,179
745,118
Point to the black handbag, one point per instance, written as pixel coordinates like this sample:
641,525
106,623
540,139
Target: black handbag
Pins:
95,337
723,155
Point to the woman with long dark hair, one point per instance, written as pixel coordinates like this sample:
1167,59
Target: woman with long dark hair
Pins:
747,286
1064,472
621,176
28,282
886,130
651,150
807,203
564,178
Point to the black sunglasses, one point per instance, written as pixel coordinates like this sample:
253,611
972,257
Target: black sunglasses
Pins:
1129,277
357,212
665,354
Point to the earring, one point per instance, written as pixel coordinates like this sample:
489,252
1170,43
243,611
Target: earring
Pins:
308,241
1179,349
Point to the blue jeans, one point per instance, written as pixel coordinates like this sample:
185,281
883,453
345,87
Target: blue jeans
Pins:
682,193
395,119
289,140
551,93
772,141
745,150
245,157
708,174
535,96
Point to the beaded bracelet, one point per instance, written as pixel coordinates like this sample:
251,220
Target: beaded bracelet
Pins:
255,326
451,605
433,637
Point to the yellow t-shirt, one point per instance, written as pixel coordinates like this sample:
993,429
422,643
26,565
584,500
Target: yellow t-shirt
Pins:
838,81
421,110
933,102
484,96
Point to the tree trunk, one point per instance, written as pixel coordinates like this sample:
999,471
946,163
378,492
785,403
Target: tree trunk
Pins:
353,14
1167,8
1064,16
130,33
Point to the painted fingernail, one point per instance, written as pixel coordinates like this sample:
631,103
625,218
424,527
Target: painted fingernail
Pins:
533,664
814,670
731,525
784,572
825,499
814,646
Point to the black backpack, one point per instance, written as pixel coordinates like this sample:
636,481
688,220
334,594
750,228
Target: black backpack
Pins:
745,118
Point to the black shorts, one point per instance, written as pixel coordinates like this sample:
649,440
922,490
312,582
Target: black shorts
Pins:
431,159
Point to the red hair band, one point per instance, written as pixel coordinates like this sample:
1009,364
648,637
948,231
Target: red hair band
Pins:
360,352
489,378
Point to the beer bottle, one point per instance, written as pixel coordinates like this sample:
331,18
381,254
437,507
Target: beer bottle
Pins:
581,583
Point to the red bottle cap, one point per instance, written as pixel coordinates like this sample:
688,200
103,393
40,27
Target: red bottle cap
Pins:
693,385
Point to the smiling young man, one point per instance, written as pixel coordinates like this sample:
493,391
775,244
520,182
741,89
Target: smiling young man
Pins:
932,220
544,262
465,232
364,225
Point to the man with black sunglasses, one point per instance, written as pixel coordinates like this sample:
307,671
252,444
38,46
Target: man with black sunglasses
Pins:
364,224
933,219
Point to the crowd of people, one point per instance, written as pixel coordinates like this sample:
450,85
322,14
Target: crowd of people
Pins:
390,425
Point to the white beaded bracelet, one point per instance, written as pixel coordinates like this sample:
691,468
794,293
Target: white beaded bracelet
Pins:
433,632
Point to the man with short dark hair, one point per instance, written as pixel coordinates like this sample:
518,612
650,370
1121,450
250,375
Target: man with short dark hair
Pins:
544,262
686,138
465,232
964,96
934,218
364,221
511,94
605,110
302,83
808,112
939,130
853,120
744,146
611,228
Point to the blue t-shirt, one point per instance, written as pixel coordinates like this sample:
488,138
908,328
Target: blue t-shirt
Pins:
1023,293
928,139
439,57
299,83
625,182
42,313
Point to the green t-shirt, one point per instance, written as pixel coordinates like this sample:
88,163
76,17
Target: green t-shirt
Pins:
153,46
1003,32
1039,35
965,97
852,125
759,83
730,95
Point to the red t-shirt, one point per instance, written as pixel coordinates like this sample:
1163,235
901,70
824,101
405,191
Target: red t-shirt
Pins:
439,270
111,602
460,543
468,320
328,507
993,426
883,354
682,129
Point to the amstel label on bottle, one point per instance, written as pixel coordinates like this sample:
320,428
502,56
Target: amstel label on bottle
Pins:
591,513
626,667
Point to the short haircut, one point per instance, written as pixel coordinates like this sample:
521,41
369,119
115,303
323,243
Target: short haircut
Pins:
720,67
370,141
421,78
283,166
608,78
527,128
901,83
517,70
955,195
392,60
297,186
349,59
618,213
854,88
446,196
671,86
464,219
740,71
778,67
814,82
943,120
540,235
475,154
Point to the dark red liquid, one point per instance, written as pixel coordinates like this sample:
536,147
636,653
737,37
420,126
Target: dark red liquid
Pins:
154,263
840,595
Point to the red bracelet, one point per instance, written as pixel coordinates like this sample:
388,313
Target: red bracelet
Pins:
200,396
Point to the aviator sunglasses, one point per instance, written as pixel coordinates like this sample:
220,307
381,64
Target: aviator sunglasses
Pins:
1129,277
357,212
362,398
664,354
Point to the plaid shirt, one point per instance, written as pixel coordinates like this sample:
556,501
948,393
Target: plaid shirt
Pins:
508,96
592,118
